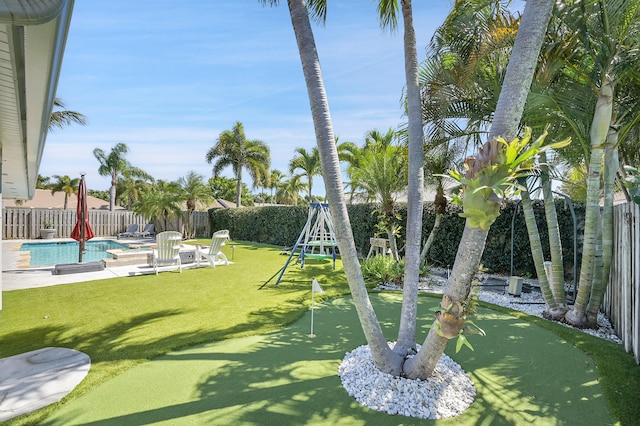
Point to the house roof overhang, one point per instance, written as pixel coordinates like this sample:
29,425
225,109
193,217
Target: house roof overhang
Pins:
32,39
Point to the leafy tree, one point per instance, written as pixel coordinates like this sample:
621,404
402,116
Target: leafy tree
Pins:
308,163
115,165
65,184
225,188
233,149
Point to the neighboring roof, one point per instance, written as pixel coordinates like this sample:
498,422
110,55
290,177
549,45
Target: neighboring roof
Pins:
32,39
44,199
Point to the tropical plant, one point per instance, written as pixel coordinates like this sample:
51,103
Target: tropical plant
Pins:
65,184
289,190
308,164
115,165
225,188
193,191
61,117
275,180
233,149
161,202
379,170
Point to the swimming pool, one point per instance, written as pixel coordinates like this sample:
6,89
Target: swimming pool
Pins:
52,253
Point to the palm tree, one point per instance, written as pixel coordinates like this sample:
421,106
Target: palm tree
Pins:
289,190
65,184
608,38
161,202
114,165
62,117
233,149
485,202
309,165
385,359
194,191
275,180
380,170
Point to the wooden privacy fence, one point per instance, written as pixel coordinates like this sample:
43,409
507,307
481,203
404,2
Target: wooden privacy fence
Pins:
622,300
200,226
25,223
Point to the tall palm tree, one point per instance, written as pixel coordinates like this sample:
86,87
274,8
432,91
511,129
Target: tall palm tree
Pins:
114,165
308,164
233,149
194,191
65,184
62,117
517,81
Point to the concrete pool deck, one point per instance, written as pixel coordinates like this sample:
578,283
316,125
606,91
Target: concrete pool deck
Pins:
17,275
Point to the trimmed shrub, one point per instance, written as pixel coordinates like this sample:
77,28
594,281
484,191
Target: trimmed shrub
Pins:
282,225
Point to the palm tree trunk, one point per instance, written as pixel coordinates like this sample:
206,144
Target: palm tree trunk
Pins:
555,244
239,188
610,169
537,254
513,95
598,134
407,331
458,288
432,236
384,358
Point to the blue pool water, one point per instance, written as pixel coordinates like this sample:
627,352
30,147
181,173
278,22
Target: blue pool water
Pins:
52,253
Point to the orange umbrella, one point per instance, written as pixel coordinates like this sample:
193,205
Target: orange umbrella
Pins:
82,231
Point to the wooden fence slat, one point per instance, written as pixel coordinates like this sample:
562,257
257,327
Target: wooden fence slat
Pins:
622,300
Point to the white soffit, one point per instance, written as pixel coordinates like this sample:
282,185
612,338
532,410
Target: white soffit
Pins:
32,38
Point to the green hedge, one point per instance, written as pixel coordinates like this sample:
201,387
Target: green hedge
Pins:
282,225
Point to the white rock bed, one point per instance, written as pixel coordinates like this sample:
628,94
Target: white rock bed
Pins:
447,393
450,390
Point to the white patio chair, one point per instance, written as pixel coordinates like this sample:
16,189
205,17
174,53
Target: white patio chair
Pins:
213,253
167,251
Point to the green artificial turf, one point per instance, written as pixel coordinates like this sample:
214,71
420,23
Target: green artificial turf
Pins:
257,372
523,374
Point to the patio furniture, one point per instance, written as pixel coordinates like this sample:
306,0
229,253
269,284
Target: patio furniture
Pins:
213,252
149,230
130,232
167,251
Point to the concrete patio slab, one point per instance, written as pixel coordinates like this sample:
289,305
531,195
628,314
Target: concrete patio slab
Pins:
38,378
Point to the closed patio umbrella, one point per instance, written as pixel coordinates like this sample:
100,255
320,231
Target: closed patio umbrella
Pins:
82,231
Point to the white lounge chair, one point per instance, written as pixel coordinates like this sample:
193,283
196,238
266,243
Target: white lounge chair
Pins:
213,253
167,251
148,231
131,231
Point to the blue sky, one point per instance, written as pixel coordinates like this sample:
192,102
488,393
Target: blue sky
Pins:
166,78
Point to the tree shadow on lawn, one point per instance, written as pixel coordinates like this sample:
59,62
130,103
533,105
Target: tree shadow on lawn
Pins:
522,374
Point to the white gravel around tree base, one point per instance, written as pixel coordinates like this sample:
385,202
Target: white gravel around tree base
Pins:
447,393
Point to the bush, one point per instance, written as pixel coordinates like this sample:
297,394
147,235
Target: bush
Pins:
282,225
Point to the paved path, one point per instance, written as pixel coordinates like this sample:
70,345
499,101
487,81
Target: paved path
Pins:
38,378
